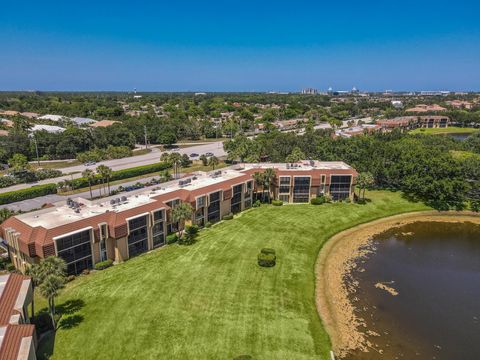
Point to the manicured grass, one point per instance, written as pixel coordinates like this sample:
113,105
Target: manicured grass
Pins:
211,300
462,155
449,130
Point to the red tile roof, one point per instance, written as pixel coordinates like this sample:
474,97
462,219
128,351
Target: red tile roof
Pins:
9,297
13,339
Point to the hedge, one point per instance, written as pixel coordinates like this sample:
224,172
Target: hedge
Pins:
123,174
277,202
266,260
103,264
30,193
228,217
319,200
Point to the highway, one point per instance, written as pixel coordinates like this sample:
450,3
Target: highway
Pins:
118,164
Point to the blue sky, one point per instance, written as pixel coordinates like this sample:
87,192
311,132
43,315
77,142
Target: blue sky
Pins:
239,45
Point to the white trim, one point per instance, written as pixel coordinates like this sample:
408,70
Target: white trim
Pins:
72,233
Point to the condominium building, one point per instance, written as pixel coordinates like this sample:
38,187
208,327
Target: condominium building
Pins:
413,122
17,335
85,232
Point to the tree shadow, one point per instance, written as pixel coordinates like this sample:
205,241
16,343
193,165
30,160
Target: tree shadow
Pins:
68,319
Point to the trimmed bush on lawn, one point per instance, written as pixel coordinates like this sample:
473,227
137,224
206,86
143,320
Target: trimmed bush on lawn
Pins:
319,200
277,202
103,264
228,217
172,238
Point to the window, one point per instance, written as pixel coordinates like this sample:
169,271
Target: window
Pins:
138,236
249,185
158,234
214,207
103,249
76,250
158,216
201,202
236,202
301,189
340,186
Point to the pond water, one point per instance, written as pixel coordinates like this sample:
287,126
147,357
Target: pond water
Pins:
435,269
460,136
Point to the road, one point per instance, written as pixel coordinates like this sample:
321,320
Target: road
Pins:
118,164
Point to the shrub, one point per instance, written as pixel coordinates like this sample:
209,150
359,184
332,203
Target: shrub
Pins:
103,264
277,202
43,174
86,272
6,181
10,267
257,203
268,251
172,238
30,193
319,200
228,217
190,234
266,260
208,224
70,278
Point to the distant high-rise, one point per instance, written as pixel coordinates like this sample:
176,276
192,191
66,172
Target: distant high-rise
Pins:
309,91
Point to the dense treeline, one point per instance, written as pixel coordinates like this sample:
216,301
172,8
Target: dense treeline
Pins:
424,167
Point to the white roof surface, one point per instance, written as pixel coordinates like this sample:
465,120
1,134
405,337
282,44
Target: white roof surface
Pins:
52,117
47,128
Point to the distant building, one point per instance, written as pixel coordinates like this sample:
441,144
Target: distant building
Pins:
6,122
355,90
422,108
309,91
104,123
82,121
413,122
200,94
30,115
52,117
397,104
9,113
358,130
460,104
48,128
17,335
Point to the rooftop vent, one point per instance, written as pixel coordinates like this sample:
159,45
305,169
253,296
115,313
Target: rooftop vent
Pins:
112,202
117,200
124,198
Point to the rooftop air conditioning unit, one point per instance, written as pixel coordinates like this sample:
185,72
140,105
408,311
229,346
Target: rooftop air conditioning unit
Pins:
124,198
112,202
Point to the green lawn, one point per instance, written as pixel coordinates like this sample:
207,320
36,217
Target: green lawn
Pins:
449,130
211,300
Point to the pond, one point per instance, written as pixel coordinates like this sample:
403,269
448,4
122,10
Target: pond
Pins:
419,292
459,136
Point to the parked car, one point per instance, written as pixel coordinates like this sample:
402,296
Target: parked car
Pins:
192,155
209,154
90,163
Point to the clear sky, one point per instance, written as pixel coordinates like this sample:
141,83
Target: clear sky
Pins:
239,45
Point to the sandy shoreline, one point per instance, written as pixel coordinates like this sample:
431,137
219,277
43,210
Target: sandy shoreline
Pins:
337,258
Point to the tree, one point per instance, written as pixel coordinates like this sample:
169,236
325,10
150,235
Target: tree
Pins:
203,158
165,175
364,181
180,213
105,173
213,161
259,182
296,155
90,176
18,162
49,277
5,214
268,177
185,161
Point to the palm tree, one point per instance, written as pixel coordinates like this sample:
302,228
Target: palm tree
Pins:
49,289
180,213
176,160
49,277
213,161
364,181
35,274
268,177
90,176
258,179
105,173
